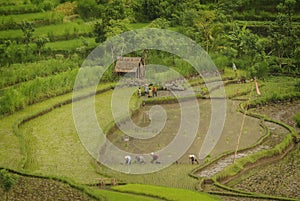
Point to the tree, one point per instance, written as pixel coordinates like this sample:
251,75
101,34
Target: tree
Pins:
116,27
13,53
151,9
250,51
115,10
206,23
41,42
104,30
245,42
284,35
229,7
172,10
88,9
113,29
7,181
99,31
27,30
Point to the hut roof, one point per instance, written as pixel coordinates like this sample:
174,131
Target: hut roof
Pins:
127,64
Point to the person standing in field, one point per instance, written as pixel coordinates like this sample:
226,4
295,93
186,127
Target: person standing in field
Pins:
154,91
146,89
234,69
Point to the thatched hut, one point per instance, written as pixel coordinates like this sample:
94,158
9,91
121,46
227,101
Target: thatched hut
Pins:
134,66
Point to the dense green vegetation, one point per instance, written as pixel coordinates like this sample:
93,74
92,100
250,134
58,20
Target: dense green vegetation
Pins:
247,33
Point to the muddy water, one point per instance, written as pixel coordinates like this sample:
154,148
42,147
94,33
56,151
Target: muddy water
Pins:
283,112
227,142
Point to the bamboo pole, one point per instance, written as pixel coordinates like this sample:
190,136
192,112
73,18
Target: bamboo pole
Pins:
242,127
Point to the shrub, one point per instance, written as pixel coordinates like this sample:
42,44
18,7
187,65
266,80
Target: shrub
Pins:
297,86
259,70
161,23
221,61
88,9
36,90
7,181
67,8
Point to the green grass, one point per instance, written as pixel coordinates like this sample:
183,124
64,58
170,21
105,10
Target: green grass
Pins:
31,17
70,45
59,30
229,73
36,90
67,46
16,9
12,154
12,2
117,196
133,26
165,193
175,176
52,151
276,89
62,29
41,88
235,90
51,146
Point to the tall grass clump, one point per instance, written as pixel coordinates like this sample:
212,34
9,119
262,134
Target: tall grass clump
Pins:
43,88
18,73
297,119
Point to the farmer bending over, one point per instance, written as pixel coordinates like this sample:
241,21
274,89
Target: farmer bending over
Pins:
140,159
193,159
127,160
154,158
